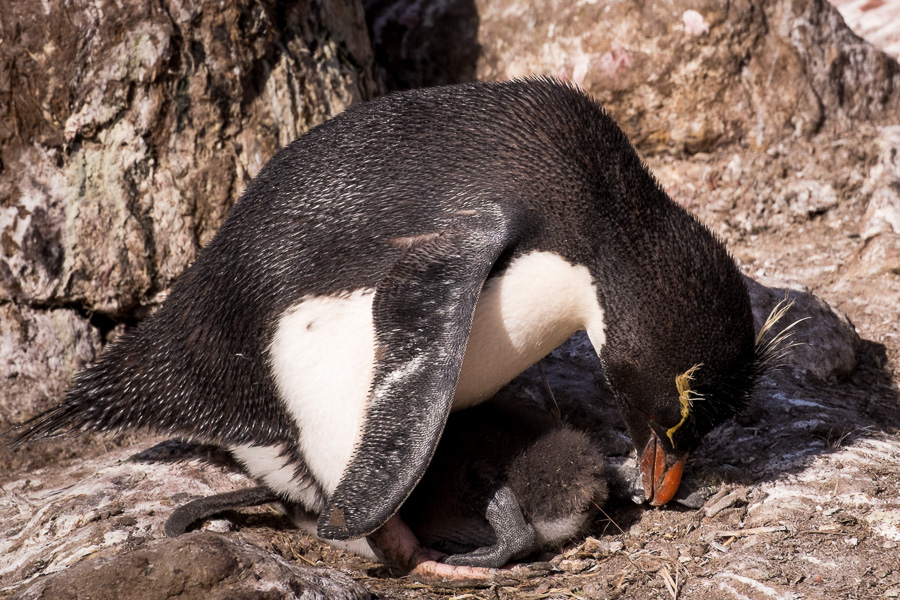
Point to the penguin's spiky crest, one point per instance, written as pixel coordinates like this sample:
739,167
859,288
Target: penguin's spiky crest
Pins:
770,353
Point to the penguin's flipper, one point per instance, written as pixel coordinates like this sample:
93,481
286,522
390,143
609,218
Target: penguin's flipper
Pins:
515,536
203,508
423,312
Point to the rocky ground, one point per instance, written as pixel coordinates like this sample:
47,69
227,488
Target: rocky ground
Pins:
799,496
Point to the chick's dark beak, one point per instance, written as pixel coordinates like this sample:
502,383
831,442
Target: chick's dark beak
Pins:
661,472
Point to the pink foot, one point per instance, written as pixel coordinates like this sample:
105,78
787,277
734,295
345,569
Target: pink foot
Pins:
401,548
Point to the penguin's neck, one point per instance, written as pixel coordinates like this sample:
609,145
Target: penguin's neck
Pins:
532,307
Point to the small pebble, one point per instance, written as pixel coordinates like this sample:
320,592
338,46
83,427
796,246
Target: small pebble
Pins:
575,565
602,547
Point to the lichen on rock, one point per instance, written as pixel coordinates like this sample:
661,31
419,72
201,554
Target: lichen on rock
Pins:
130,130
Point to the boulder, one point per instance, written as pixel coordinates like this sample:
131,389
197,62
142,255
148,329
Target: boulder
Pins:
678,75
821,342
130,129
195,566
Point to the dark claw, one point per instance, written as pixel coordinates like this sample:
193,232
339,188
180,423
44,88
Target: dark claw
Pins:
203,508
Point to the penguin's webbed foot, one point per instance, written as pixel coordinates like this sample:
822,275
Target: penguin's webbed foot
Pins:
515,536
203,508
440,574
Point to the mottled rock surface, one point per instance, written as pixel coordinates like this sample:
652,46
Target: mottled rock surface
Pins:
42,350
677,75
196,566
127,130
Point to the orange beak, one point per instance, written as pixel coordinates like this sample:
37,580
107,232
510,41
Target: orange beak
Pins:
661,473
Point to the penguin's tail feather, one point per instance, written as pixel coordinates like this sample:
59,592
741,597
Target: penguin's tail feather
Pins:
94,402
140,383
125,389
46,424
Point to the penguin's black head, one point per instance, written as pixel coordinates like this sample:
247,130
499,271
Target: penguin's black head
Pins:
669,407
668,415
680,355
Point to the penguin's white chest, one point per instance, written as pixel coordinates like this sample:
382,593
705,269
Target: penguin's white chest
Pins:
521,317
323,352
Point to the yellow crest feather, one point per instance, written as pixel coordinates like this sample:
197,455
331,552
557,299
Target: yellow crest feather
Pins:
770,352
685,397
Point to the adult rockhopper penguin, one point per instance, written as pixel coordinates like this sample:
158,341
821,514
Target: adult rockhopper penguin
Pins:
409,257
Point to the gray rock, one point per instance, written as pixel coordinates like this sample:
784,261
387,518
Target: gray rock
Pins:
825,343
131,128
201,566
